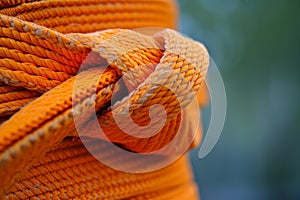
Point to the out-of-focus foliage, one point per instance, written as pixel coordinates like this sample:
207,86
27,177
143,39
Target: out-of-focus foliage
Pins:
256,45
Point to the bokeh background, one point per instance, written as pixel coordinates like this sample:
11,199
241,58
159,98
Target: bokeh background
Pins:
256,46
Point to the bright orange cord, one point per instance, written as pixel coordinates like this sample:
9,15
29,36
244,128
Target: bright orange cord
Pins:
43,45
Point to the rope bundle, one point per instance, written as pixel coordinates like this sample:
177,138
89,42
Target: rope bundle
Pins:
56,59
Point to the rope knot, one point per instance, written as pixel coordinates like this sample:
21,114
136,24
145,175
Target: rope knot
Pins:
126,87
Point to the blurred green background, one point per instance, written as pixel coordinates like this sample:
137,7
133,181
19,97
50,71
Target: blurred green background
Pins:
256,46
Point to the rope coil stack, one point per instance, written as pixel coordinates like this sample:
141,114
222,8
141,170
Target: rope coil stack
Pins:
61,59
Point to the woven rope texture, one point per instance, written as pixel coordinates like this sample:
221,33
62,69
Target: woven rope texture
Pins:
60,59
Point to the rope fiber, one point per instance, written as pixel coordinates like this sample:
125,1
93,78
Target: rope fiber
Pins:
62,59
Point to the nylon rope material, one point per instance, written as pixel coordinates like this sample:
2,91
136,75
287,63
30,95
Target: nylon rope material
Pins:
43,45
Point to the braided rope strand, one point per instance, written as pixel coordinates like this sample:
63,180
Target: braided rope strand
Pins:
58,62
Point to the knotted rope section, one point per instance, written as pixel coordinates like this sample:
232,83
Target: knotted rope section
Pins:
52,78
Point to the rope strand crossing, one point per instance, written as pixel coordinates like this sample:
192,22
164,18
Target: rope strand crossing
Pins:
44,44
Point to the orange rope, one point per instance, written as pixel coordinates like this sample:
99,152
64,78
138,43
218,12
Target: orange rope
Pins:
43,45
54,174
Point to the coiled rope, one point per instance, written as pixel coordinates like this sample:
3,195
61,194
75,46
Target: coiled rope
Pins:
43,44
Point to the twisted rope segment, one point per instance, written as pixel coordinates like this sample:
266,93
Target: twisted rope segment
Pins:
39,68
52,177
